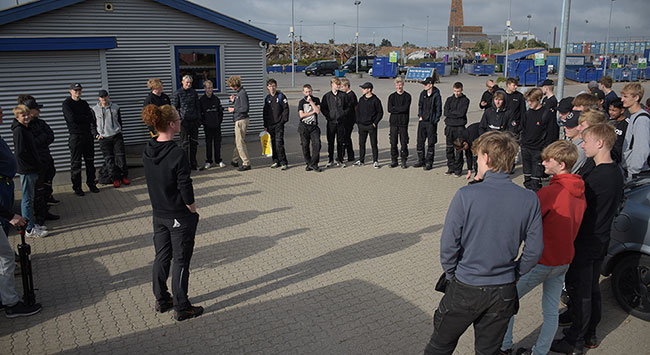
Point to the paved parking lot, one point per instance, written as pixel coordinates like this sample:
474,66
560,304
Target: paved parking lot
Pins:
285,262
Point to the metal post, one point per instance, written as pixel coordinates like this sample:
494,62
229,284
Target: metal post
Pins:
453,38
490,50
334,39
564,37
357,3
427,32
293,44
528,33
505,67
300,42
611,7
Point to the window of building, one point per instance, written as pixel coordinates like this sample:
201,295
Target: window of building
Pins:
200,62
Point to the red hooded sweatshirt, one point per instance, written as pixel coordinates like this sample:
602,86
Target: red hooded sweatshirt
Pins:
563,205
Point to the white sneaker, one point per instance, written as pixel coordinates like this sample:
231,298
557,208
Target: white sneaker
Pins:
376,165
44,228
36,233
207,166
222,165
358,163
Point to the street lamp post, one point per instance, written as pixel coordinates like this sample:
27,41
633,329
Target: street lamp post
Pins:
611,7
427,32
528,33
564,37
357,3
505,70
629,33
334,39
453,38
293,43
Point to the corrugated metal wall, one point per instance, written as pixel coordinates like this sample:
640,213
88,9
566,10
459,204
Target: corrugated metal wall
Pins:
46,76
146,34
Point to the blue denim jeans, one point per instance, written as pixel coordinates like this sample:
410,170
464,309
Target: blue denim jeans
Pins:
28,184
552,278
8,294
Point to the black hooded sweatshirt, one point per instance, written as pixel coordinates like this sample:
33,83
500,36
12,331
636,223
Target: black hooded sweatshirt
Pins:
494,119
25,149
167,171
456,110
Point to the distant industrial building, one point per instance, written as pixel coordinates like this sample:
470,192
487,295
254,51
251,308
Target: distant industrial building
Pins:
459,35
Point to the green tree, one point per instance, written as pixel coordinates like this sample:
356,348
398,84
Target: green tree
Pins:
385,43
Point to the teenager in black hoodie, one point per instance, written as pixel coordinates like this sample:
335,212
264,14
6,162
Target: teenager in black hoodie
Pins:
156,97
429,112
211,118
455,120
534,136
167,170
399,107
497,116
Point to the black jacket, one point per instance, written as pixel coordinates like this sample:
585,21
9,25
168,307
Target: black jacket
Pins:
25,149
369,110
436,106
334,107
494,120
167,171
516,104
78,116
43,136
187,104
276,109
211,111
456,110
534,128
487,97
399,107
153,99
351,116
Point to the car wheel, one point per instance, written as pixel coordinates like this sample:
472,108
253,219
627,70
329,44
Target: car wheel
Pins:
631,285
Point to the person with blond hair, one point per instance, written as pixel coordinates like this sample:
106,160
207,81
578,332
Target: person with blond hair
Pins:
167,172
399,107
479,250
636,145
239,110
186,101
156,97
563,205
603,192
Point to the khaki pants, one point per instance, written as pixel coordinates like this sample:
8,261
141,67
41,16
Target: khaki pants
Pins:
240,150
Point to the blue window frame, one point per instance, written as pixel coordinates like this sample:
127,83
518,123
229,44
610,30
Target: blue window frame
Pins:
201,62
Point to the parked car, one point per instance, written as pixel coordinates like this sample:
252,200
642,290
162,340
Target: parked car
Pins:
322,67
628,256
365,63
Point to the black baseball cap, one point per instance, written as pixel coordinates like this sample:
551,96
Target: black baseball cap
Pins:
565,105
427,81
75,86
366,85
599,94
103,93
571,120
547,82
32,104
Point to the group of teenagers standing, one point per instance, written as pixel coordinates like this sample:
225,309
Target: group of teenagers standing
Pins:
564,228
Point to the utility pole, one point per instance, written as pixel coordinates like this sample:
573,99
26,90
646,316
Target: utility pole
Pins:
453,38
564,37
427,32
300,42
490,49
293,45
528,33
357,3
505,68
334,39
611,7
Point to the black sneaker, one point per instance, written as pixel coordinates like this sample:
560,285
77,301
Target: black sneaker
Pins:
192,312
244,168
93,188
591,342
449,172
316,168
504,352
308,168
404,166
428,167
418,164
79,192
51,217
524,351
164,305
562,346
234,164
564,320
52,201
22,310
393,164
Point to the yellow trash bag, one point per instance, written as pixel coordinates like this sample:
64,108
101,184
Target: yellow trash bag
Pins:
265,139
